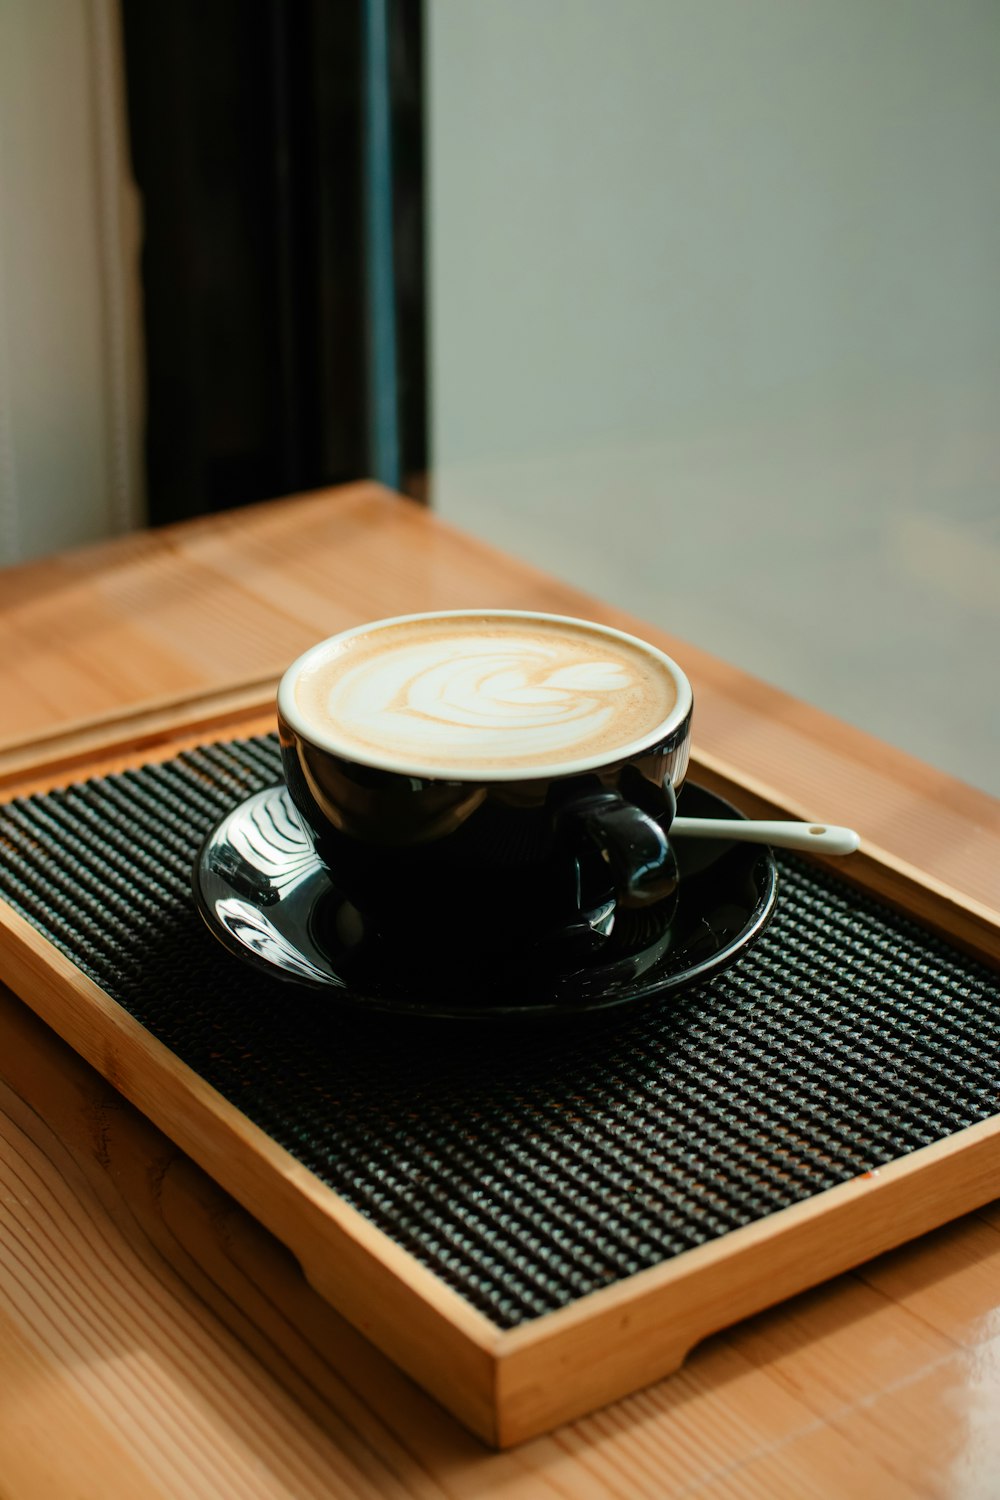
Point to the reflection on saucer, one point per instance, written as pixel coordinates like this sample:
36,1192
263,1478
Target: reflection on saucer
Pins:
268,899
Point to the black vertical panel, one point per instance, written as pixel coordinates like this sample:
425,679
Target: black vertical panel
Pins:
337,312
245,128
407,81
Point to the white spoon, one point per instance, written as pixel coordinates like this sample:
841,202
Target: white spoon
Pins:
818,838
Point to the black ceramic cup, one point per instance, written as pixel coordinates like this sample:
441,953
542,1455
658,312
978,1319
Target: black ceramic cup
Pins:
494,852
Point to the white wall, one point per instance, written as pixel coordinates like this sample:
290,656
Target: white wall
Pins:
715,327
70,381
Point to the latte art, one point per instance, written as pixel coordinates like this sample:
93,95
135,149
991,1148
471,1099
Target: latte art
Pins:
478,692
524,700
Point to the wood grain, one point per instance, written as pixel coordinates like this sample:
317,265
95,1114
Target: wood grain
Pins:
884,1382
505,1386
223,1340
113,1342
386,1293
510,1387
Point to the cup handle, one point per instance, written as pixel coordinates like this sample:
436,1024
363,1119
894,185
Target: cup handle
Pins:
634,852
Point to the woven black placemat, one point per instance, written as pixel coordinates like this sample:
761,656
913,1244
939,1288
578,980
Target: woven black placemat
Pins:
526,1166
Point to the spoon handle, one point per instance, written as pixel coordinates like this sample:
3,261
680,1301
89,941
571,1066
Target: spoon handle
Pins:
819,838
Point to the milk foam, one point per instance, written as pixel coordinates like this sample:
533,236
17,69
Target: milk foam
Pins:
483,692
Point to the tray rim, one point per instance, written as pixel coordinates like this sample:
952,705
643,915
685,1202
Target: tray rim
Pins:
505,1385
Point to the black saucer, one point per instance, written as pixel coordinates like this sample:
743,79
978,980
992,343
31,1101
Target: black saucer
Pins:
265,895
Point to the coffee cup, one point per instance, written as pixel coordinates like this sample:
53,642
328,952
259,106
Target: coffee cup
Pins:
489,778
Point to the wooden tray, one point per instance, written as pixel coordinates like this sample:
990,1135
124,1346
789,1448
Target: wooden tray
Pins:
504,1385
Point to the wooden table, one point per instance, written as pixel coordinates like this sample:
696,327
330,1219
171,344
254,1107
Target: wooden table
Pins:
155,1341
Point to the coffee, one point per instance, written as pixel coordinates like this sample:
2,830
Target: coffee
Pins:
486,692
